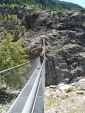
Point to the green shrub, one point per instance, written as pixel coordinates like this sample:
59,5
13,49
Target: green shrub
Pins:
11,54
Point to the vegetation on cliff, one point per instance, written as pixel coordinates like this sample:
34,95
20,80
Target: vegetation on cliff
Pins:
43,4
12,52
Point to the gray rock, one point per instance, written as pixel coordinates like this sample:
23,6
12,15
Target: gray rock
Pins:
81,84
65,38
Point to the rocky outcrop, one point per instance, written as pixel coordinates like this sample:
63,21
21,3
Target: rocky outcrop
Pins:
65,36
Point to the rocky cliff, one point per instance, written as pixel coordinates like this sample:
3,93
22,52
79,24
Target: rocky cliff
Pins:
65,36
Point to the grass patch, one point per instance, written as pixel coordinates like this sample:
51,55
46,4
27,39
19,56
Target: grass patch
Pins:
51,102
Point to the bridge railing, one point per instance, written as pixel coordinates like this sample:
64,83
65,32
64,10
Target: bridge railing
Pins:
30,99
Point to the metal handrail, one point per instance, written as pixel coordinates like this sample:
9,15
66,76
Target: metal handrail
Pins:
26,100
31,99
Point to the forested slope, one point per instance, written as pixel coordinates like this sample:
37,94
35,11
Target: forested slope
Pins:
53,4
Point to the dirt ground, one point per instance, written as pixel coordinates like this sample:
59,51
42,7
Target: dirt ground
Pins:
65,98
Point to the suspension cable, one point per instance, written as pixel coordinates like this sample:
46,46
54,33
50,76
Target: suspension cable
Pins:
12,68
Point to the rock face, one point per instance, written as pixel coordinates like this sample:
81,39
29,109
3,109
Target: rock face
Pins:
65,36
